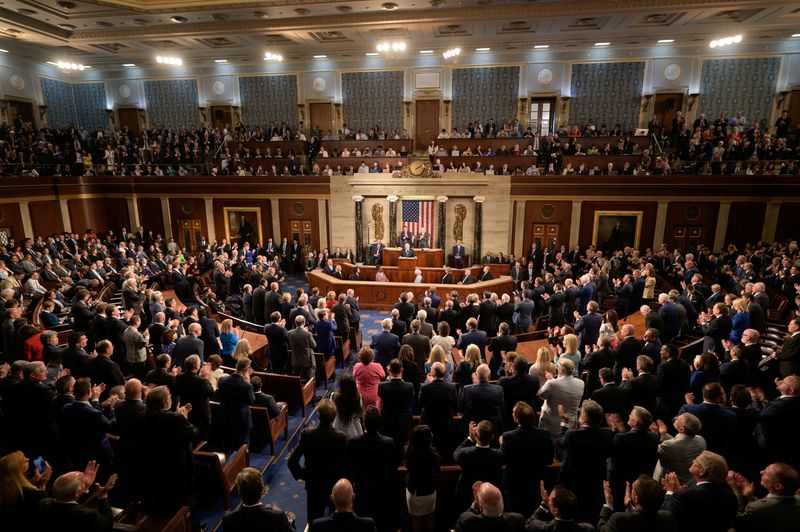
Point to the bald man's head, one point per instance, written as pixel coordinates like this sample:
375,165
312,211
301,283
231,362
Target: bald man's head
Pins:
133,389
483,373
68,487
490,499
195,329
342,496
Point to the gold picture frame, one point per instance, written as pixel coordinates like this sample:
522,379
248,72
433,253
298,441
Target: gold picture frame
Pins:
233,220
604,236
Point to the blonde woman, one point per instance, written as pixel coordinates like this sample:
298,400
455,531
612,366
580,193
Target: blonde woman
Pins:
242,350
445,341
649,282
740,320
19,496
543,365
438,355
472,359
570,351
228,339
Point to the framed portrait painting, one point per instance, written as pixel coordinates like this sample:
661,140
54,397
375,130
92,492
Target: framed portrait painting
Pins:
243,224
614,230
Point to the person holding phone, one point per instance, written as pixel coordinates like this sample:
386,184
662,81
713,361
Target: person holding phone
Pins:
22,484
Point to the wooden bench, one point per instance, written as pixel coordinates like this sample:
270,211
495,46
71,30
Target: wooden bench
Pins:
691,349
224,468
133,519
326,368
289,389
266,429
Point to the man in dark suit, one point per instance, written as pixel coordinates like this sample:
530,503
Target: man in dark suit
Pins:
235,397
188,345
669,317
555,306
709,504
789,354
473,336
396,399
643,388
74,357
420,343
596,360
84,427
736,370
447,278
468,278
437,401
674,375
343,519
103,370
272,301
277,343
491,518
633,453
613,399
373,460
504,342
193,388
719,422
517,386
27,406
478,461
405,309
623,289
408,251
155,331
63,512
487,319
377,253
586,450
647,496
557,513
588,326
385,345
458,255
716,327
778,429
323,448
253,515
527,452
483,401
260,302
343,315
627,351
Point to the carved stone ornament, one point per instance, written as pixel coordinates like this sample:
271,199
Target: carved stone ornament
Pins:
417,169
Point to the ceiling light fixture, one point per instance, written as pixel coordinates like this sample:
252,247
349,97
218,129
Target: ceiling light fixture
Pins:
426,52
169,60
482,49
541,46
372,54
397,46
602,44
129,65
3,50
453,52
665,41
67,65
220,60
321,56
179,19
725,41
269,56
795,35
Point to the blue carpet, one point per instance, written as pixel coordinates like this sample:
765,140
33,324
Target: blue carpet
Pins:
283,491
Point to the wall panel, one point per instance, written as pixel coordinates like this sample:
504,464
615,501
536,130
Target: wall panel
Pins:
150,215
268,99
99,214
747,85
300,209
607,93
90,105
11,220
60,102
683,214
189,209
370,98
483,93
745,221
262,204
172,102
788,228
46,217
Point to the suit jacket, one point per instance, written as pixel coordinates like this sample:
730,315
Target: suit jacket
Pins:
235,397
185,346
589,328
718,328
519,387
76,361
372,460
719,425
396,398
83,430
542,520
323,448
278,342
483,401
476,337
527,452
421,345
507,522
386,346
676,454
633,453
302,344
447,278
342,522
789,356
487,320
703,508
209,336
53,515
613,399
437,400
625,356
477,463
643,390
104,370
593,362
778,431
524,310
193,389
567,391
583,469
768,514
636,521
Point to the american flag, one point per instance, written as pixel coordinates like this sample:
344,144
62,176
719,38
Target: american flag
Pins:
416,214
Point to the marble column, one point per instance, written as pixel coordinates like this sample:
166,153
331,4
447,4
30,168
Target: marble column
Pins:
359,201
165,216
393,242
476,253
441,221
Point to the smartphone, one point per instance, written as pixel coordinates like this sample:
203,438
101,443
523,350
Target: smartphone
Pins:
39,464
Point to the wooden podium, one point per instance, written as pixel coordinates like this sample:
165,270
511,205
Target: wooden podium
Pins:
406,263
427,258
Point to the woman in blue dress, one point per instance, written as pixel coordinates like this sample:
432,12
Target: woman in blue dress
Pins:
324,328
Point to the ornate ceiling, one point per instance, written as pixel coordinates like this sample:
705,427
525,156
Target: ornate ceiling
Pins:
108,33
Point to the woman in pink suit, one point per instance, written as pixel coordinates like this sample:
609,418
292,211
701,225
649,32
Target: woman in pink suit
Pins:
368,374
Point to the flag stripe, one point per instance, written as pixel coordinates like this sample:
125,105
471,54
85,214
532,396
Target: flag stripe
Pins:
416,214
